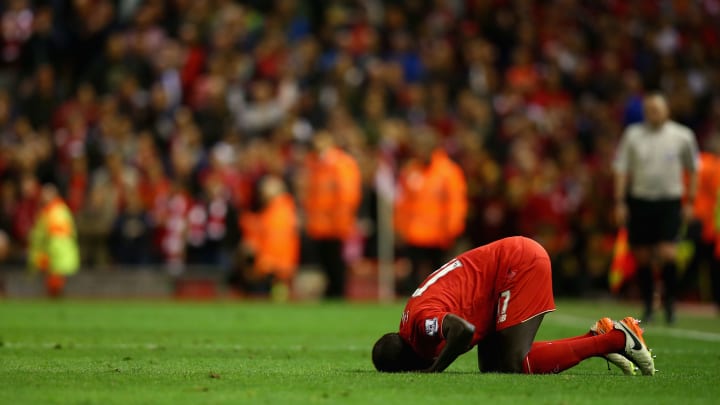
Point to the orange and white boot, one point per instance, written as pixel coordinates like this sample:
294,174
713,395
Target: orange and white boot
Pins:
635,348
605,325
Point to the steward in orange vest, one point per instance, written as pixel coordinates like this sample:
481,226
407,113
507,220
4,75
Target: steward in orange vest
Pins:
708,186
270,237
702,230
330,192
431,207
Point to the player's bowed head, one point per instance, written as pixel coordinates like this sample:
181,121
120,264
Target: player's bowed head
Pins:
391,354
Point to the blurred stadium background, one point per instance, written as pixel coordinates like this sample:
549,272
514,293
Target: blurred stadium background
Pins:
160,120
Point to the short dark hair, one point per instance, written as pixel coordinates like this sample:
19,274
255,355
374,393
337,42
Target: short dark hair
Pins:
392,354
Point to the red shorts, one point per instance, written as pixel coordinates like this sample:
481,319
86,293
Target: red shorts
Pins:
525,290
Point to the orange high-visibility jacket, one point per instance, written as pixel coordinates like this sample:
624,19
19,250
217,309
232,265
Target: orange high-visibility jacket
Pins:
707,192
431,205
332,194
272,234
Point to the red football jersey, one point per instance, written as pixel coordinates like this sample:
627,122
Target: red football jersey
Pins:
493,287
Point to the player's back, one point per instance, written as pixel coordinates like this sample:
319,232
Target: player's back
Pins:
472,274
466,286
496,256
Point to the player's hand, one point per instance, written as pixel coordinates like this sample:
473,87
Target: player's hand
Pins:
621,214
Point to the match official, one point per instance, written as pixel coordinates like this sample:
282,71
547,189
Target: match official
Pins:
649,185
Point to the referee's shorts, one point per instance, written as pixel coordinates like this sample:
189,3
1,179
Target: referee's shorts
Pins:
653,221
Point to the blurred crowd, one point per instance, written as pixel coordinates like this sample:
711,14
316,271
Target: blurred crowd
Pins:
159,120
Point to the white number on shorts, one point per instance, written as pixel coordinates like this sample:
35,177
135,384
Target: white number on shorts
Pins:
502,306
434,277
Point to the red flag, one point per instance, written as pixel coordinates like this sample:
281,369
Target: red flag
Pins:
623,263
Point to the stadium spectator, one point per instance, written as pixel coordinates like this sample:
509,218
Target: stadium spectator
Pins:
117,175
130,235
8,199
431,207
17,26
212,226
53,246
171,216
651,159
44,46
42,99
23,213
4,246
95,221
330,195
84,104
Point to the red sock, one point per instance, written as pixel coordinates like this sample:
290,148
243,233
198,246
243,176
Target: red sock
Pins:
570,339
559,355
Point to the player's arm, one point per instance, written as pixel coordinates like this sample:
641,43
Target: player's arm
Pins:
458,334
620,168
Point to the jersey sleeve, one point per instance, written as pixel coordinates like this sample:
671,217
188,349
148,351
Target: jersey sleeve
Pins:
429,324
426,336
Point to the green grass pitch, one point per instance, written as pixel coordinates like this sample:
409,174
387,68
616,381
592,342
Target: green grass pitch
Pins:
100,352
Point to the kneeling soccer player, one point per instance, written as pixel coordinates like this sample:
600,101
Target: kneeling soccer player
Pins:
495,297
